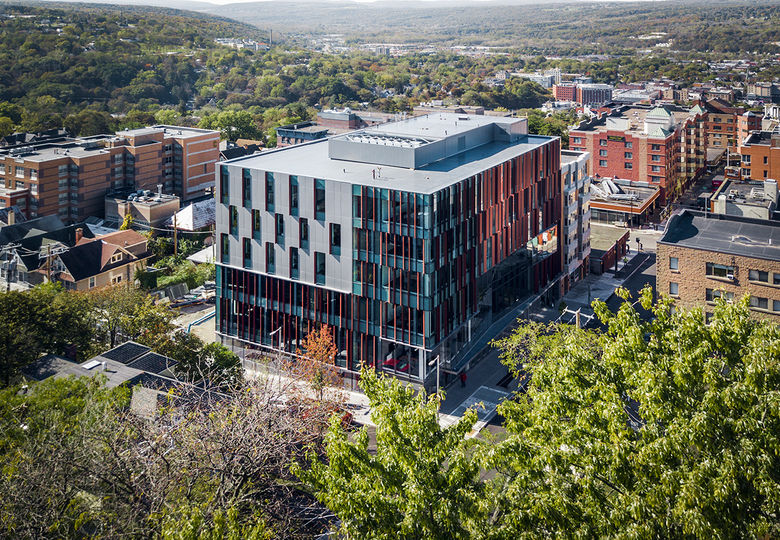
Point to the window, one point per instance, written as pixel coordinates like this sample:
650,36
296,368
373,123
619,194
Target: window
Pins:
628,165
746,159
319,268
720,270
629,144
294,195
233,214
674,288
116,279
628,155
247,253
758,275
655,147
2,168
246,187
602,142
20,172
655,178
655,158
576,140
712,295
776,278
335,239
745,172
225,249
319,200
759,303
775,305
655,168
270,258
603,153
116,257
92,282
303,234
674,263
33,174
224,183
269,191
766,160
294,263
603,163
256,224
279,220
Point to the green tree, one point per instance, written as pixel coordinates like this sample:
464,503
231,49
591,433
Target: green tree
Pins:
190,523
168,117
127,222
6,126
668,428
131,312
422,481
45,319
232,124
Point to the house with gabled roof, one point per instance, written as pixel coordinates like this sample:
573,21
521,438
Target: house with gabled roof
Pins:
93,263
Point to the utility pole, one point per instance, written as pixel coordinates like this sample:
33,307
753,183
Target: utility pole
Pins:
175,238
48,263
8,263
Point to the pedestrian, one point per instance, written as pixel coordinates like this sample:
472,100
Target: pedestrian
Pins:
463,379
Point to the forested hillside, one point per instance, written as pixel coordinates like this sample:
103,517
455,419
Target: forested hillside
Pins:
94,69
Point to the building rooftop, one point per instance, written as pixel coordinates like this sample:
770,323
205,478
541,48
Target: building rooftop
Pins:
633,120
603,237
141,197
746,192
619,191
304,127
82,147
763,137
421,154
570,156
724,234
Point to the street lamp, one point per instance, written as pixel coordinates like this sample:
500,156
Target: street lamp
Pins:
271,335
430,364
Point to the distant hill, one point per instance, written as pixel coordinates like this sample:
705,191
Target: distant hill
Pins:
550,26
58,59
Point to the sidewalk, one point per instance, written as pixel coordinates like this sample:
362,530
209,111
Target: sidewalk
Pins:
488,377
356,402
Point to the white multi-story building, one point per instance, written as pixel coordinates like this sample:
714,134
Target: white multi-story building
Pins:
575,217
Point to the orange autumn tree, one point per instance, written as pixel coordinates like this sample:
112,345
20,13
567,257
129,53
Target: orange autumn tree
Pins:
316,363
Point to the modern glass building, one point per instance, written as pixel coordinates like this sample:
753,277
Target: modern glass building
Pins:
409,239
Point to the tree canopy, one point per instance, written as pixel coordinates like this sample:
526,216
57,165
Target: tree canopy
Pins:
668,428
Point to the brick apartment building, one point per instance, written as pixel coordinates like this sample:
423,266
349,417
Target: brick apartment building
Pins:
584,94
760,156
662,147
565,91
71,177
408,238
705,256
728,126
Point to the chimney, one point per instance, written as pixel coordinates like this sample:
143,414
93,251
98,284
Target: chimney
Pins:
159,190
11,216
79,234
